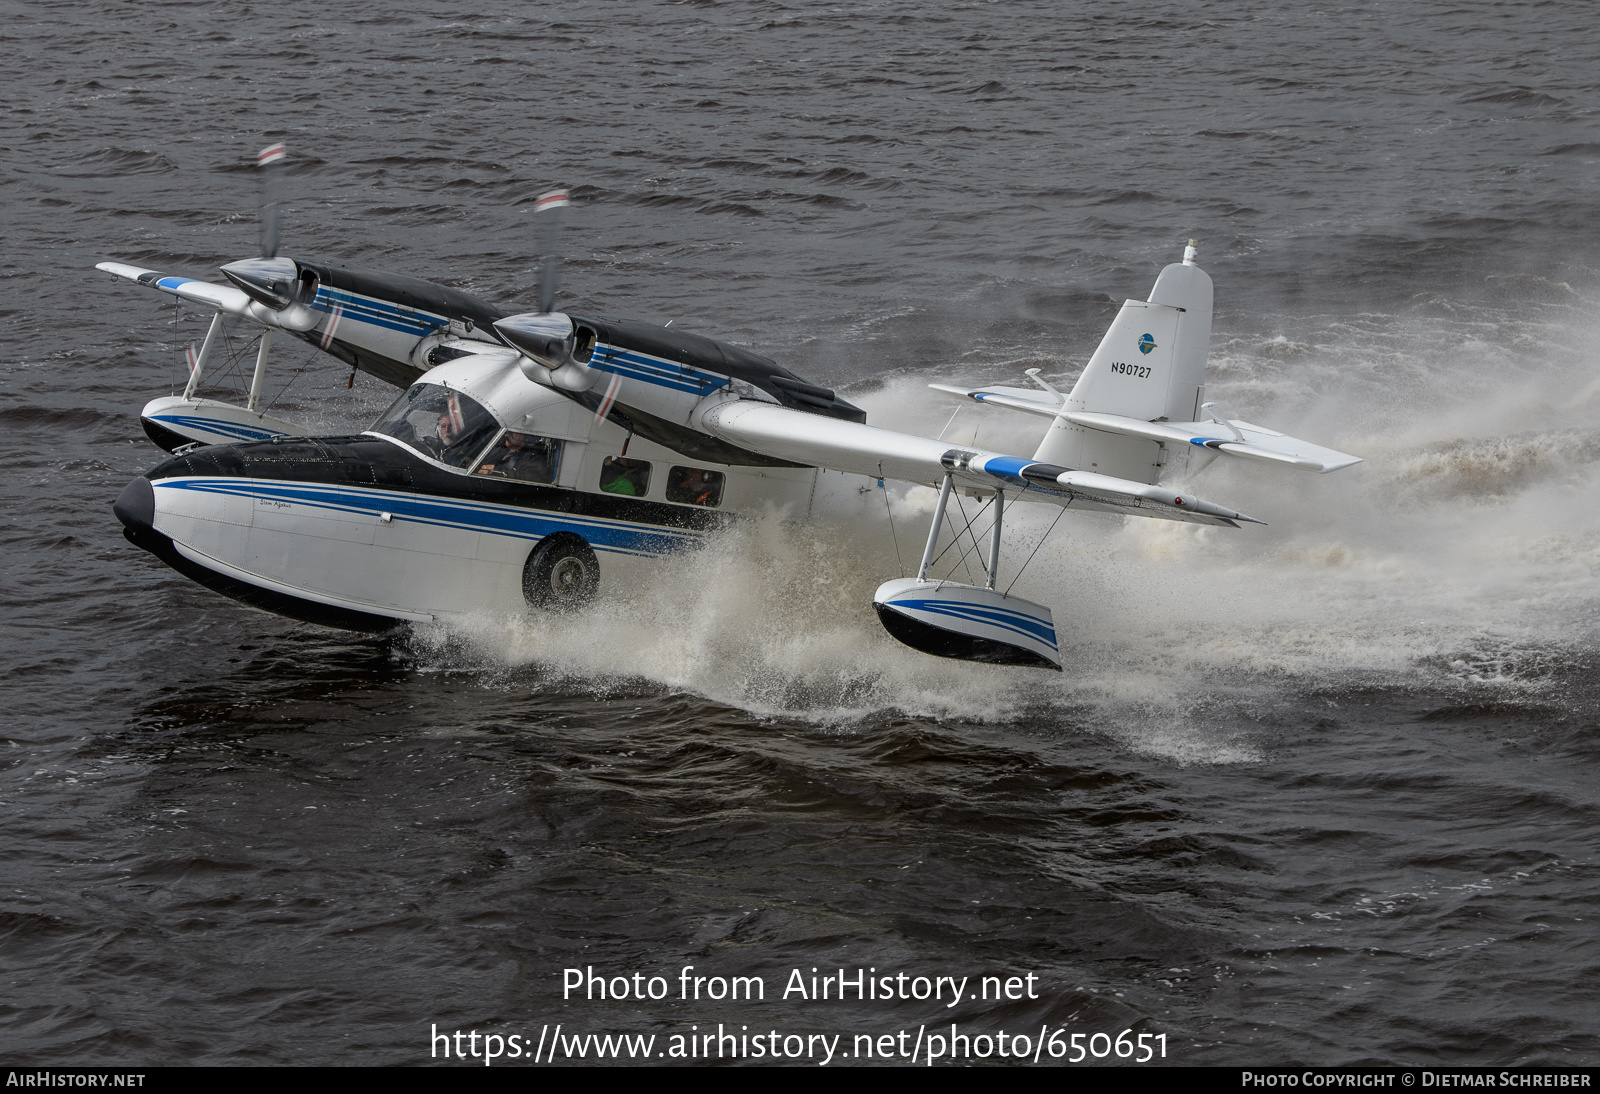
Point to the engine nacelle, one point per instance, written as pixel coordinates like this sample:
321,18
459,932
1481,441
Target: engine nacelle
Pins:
280,290
555,350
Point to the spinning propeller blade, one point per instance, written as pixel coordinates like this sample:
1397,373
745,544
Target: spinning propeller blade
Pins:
279,285
270,161
547,239
555,351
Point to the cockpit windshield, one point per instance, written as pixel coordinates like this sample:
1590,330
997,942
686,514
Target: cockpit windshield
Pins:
447,425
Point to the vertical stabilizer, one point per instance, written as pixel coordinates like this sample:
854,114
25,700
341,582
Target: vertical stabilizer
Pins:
1187,288
1150,366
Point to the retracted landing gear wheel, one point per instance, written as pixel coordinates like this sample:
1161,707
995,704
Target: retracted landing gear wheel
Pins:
561,573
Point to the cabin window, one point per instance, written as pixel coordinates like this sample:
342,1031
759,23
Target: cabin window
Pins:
695,486
524,457
447,425
620,475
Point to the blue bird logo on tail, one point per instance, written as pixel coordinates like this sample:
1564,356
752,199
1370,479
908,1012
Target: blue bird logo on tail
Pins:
1146,343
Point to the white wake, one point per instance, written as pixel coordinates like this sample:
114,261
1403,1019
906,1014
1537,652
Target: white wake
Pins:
1464,549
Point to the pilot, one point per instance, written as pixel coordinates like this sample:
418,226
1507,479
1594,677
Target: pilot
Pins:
450,422
434,431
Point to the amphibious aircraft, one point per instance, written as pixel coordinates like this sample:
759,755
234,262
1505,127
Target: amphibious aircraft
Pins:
536,456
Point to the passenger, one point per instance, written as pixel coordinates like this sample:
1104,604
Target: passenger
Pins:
694,489
623,476
522,456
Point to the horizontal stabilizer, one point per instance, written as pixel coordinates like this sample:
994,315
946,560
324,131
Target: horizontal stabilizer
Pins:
1031,400
224,298
1232,438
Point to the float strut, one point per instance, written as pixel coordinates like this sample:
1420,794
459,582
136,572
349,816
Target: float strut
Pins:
205,355
994,537
933,533
261,370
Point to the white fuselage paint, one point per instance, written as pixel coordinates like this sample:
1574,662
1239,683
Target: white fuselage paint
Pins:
413,556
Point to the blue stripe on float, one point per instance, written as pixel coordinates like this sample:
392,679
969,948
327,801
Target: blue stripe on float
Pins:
1014,621
531,524
212,425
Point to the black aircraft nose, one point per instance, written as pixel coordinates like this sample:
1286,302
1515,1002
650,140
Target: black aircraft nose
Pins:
135,507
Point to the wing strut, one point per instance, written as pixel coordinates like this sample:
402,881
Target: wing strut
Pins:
949,619
994,537
205,355
261,371
933,532
992,571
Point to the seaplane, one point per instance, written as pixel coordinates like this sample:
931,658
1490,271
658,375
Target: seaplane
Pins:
534,457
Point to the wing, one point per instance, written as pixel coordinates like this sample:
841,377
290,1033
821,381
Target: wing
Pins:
224,298
819,441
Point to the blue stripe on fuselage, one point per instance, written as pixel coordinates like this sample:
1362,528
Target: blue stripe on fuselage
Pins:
532,524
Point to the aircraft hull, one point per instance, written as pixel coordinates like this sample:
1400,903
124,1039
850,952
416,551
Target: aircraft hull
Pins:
357,533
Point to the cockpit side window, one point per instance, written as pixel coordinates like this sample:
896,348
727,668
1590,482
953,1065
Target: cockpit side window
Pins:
524,457
447,425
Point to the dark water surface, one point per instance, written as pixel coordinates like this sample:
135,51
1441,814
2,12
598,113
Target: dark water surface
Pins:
1321,792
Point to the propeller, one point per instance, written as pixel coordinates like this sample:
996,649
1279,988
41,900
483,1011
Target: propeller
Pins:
555,351
547,238
270,163
281,289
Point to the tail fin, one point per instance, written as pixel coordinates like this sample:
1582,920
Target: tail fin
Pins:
1150,366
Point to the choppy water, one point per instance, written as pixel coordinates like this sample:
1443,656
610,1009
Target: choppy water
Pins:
1323,791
